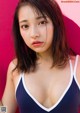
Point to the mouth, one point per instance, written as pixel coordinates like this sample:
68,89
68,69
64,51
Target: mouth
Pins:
37,43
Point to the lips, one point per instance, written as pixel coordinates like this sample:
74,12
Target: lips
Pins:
37,43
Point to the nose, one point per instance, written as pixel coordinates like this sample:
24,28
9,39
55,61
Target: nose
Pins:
34,32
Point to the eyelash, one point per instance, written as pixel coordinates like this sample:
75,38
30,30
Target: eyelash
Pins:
24,26
44,22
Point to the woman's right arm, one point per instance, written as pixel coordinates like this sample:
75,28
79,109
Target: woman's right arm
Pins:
8,98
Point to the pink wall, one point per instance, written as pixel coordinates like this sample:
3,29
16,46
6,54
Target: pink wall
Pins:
6,40
72,11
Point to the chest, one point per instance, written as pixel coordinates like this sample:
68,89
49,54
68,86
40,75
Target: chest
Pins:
28,103
47,87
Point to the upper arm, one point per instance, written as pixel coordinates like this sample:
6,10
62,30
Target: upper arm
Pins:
9,99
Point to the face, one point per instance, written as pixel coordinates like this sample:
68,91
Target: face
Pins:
36,31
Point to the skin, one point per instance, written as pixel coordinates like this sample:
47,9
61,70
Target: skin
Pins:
46,85
78,72
34,27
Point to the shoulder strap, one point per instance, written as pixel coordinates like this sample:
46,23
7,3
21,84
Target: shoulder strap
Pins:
20,76
75,68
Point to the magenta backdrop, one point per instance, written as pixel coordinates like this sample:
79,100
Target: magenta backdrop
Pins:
6,40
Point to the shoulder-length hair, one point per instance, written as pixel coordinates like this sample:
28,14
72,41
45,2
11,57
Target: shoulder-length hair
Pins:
26,58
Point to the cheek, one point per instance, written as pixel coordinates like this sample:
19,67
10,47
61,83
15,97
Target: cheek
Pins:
50,33
51,30
43,33
23,34
25,37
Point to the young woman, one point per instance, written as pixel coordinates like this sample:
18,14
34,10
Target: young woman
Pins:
44,76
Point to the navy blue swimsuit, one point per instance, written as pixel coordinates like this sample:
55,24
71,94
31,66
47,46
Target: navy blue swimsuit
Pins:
69,102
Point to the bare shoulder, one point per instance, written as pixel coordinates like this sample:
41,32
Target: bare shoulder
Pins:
72,58
76,59
13,64
11,68
7,97
78,66
78,69
79,59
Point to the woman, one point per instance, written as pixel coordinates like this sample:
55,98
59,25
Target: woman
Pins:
41,78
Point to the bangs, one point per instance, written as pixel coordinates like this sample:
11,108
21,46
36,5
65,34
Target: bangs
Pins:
38,7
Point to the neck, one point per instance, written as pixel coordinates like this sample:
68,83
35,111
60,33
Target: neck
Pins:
45,58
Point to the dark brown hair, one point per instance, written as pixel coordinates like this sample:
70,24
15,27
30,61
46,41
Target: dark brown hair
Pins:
26,58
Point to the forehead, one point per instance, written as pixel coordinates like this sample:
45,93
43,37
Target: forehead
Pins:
28,12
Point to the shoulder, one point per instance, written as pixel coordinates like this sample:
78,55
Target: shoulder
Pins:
12,65
78,63
75,60
7,97
78,68
11,68
78,58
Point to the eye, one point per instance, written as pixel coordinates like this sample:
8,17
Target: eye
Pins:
43,22
24,27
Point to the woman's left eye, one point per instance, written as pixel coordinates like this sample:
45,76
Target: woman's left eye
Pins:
42,22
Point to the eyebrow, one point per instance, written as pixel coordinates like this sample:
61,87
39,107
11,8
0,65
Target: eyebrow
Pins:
37,18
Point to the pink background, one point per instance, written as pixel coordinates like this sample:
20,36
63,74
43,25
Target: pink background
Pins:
6,39
72,23
71,10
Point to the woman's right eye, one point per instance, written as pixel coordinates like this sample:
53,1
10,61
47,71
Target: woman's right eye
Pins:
24,27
